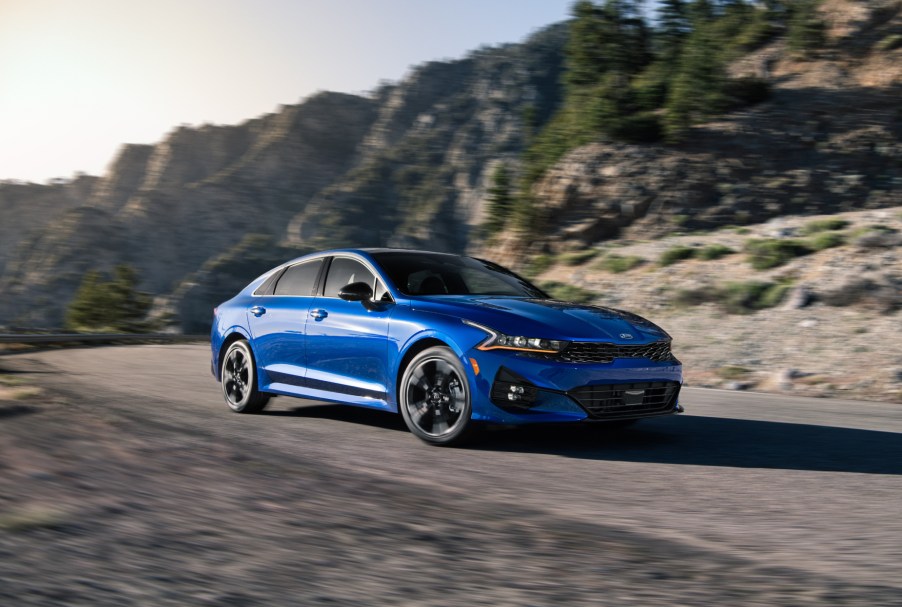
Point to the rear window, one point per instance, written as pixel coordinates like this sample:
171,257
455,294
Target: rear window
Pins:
299,279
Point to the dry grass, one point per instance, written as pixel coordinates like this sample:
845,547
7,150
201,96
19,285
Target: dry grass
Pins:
14,388
34,517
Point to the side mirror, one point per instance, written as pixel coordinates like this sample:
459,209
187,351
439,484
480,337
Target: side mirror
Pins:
356,291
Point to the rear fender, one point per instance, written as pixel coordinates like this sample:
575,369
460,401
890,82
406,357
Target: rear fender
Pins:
220,340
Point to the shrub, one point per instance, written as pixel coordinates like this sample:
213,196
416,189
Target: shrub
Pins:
576,258
675,254
538,264
826,240
736,297
891,42
771,253
824,225
695,297
617,264
564,292
713,251
774,295
740,297
732,372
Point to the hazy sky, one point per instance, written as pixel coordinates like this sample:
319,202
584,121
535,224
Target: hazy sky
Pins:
80,77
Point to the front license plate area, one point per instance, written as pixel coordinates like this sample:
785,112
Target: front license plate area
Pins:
633,397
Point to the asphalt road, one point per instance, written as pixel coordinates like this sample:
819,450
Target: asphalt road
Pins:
807,489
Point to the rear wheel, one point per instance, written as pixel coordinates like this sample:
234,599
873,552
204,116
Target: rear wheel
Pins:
435,397
239,380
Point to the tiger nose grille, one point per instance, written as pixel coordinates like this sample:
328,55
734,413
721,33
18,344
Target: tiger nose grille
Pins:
591,352
627,400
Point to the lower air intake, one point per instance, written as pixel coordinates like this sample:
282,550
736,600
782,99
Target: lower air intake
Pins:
617,401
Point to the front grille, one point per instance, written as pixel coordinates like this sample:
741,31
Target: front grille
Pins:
592,352
627,400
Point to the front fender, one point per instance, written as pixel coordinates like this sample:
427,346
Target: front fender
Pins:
450,331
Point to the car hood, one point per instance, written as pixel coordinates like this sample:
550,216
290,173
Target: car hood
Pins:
545,318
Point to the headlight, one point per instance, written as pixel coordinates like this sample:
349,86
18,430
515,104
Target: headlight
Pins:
500,341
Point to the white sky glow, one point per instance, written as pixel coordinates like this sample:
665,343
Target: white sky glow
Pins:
78,78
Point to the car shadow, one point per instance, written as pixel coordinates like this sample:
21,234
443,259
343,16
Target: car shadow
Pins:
15,411
714,441
343,413
681,440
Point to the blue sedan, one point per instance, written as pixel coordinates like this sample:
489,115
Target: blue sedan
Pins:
450,342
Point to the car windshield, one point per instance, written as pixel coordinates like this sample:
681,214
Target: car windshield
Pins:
439,274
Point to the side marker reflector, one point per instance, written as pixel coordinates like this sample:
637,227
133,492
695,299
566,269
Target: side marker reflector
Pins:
475,366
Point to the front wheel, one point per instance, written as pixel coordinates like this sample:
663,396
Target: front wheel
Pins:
435,397
239,380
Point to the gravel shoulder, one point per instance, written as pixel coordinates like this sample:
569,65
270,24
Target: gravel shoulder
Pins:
141,489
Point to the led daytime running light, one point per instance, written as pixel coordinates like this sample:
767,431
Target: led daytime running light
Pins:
500,341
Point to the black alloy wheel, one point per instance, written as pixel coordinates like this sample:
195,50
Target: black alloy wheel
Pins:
239,380
435,397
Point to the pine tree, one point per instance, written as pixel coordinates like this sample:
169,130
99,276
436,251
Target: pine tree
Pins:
806,29
625,37
87,308
130,304
585,51
697,91
115,306
673,27
500,200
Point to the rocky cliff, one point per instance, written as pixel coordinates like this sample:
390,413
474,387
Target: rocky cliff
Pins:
404,165
166,209
29,207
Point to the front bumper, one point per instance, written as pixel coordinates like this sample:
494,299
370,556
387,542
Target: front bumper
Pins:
554,391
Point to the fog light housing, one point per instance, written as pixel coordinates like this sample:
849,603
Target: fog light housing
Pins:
510,391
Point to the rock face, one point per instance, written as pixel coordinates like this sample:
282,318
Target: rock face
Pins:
29,207
209,208
166,209
428,157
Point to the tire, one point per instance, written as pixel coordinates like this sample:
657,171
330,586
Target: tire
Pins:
435,398
239,380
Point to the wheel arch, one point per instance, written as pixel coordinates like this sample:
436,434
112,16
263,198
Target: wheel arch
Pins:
235,335
424,343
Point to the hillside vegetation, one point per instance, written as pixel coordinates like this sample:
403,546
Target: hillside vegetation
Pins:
627,80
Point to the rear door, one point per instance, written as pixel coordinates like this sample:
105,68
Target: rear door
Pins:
277,324
347,347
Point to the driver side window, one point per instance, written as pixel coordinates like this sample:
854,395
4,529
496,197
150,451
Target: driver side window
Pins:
343,272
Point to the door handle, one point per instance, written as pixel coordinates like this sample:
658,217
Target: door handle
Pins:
258,311
318,314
